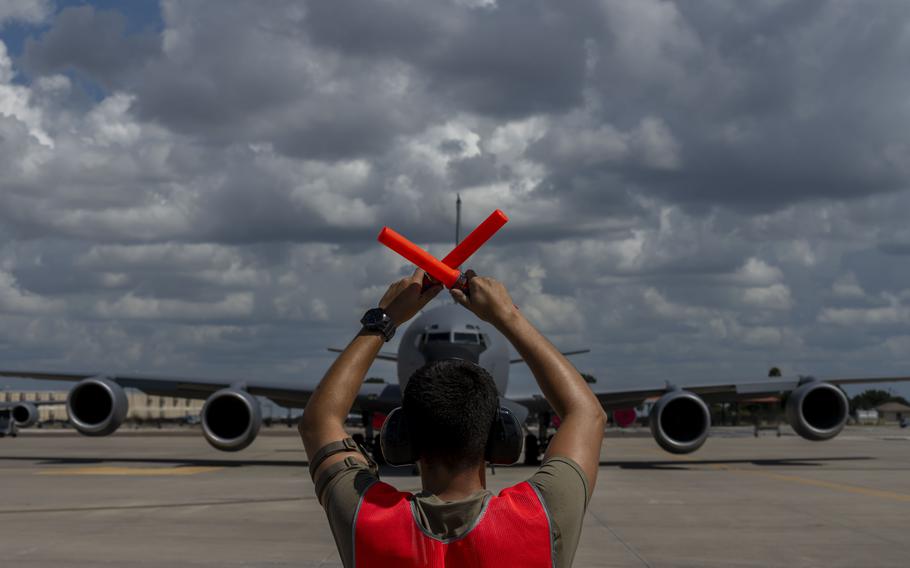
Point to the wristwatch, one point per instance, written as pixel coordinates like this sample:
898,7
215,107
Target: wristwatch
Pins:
377,320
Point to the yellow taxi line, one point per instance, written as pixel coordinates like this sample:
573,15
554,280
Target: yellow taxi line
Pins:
146,471
842,487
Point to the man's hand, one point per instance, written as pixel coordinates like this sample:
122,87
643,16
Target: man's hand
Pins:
489,299
580,435
404,299
323,418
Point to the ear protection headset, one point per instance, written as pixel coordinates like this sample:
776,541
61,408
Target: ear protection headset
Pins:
504,444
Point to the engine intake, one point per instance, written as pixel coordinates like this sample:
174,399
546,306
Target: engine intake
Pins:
231,419
25,414
97,406
817,410
680,421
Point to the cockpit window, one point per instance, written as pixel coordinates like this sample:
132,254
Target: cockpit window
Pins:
466,338
437,337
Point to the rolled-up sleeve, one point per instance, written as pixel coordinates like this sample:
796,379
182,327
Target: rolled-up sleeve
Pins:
339,489
564,489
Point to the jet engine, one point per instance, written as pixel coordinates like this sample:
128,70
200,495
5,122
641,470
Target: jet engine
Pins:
97,406
817,410
680,421
25,414
230,419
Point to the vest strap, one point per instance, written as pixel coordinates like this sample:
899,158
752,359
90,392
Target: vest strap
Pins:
330,449
329,473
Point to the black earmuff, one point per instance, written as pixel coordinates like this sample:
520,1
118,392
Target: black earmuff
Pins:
506,439
504,444
395,439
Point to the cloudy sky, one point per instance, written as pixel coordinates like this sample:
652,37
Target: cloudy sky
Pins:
698,190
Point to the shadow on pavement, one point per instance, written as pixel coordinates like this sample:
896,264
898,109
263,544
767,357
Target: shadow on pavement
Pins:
388,471
44,460
683,464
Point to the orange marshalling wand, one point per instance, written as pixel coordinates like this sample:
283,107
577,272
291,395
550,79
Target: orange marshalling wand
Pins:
445,271
476,239
435,269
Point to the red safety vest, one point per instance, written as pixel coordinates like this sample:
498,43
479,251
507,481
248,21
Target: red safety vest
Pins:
513,529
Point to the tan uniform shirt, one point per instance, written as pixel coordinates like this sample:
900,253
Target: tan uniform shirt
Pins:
560,482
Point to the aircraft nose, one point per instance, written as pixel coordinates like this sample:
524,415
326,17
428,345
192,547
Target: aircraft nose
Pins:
443,350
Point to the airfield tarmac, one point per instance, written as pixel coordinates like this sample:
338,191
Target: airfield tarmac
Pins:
166,500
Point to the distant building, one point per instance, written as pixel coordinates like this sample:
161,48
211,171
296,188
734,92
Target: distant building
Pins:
142,407
46,413
867,416
893,411
153,408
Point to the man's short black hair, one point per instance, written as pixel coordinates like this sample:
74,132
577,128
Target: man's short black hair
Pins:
450,406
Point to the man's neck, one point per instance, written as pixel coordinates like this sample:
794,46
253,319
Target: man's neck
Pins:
449,484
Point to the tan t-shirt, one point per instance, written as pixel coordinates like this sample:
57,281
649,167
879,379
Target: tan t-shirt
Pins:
561,484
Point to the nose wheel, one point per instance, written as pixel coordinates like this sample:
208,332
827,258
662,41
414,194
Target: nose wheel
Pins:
369,440
532,450
536,445
377,451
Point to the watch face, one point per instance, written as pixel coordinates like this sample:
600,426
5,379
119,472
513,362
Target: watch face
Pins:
374,316
377,320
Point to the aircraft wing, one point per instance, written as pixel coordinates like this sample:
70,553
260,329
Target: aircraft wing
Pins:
14,403
44,376
382,356
862,380
566,353
680,420
287,394
720,392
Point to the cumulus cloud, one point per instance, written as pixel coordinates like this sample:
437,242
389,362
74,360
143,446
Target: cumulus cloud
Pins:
92,42
774,297
15,300
894,312
694,187
15,102
24,11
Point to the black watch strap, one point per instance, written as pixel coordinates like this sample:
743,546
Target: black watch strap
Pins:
377,320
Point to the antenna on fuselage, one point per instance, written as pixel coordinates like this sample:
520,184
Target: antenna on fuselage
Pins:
457,219
457,224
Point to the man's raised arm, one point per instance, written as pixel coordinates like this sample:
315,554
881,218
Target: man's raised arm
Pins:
580,434
323,418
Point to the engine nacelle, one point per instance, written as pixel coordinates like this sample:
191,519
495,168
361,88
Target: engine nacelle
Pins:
231,419
817,410
680,421
25,414
97,406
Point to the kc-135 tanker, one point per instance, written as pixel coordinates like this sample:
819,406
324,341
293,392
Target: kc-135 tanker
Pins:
231,417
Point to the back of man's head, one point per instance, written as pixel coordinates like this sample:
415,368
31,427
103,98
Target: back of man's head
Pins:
450,406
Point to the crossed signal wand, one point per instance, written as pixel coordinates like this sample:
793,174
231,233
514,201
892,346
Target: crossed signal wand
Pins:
445,271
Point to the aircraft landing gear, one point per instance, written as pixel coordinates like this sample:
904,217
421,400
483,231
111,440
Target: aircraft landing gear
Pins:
536,445
532,450
377,451
374,447
370,440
